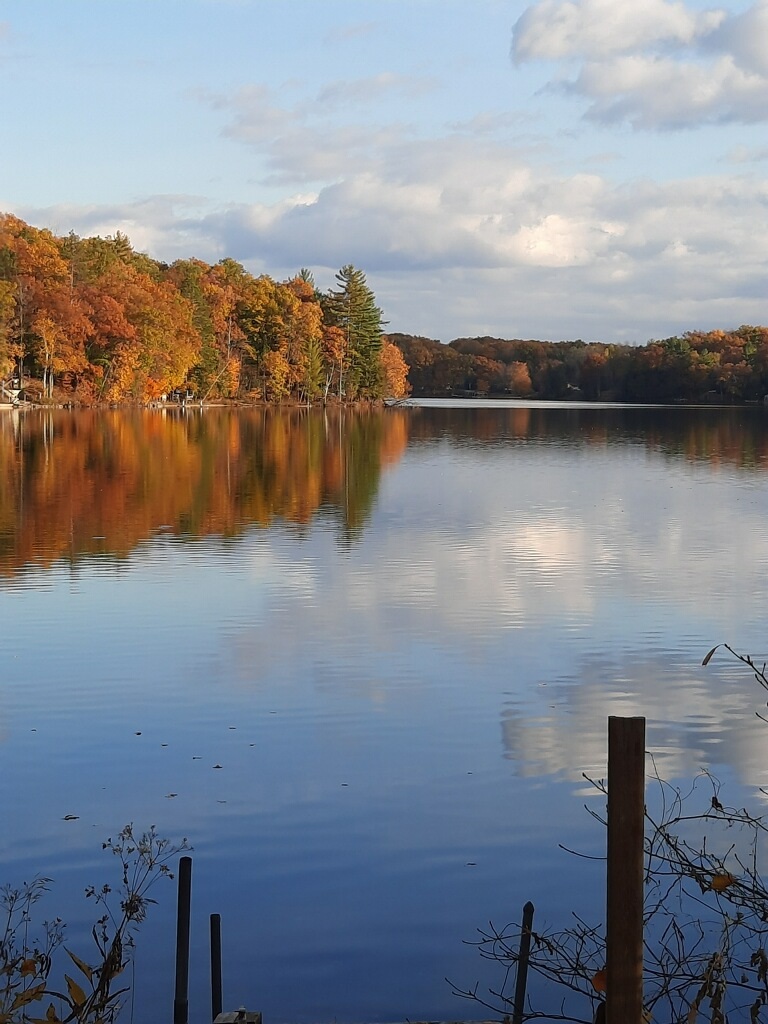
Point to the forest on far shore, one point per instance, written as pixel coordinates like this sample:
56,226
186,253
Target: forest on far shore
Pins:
712,366
91,320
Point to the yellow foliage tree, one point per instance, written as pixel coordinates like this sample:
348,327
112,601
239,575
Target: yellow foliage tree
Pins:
395,371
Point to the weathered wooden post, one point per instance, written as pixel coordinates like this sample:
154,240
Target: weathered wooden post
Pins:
624,923
181,996
522,964
215,965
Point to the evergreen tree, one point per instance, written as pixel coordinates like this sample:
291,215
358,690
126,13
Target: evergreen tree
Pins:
352,307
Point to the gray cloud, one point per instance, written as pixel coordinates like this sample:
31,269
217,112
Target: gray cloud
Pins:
745,37
652,92
459,237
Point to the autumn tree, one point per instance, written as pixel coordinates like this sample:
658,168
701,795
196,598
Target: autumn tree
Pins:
433,368
58,342
164,345
117,325
214,292
9,347
305,331
334,348
518,379
44,318
594,374
8,350
29,259
188,276
394,371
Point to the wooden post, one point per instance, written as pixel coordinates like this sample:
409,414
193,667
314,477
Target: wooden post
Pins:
624,925
522,964
181,996
215,966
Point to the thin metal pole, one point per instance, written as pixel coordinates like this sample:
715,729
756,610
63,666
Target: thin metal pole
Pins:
181,997
522,964
624,923
215,965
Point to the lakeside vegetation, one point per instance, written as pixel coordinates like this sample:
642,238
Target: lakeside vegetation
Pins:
91,320
100,322
30,948
726,367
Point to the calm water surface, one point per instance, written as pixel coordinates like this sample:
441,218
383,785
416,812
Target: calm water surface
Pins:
399,634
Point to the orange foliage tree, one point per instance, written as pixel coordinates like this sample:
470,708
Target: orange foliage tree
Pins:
395,371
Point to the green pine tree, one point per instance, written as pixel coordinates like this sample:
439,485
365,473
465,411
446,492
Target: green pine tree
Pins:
352,307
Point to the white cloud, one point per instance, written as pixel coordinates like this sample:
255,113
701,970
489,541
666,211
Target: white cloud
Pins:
557,29
655,65
165,226
512,219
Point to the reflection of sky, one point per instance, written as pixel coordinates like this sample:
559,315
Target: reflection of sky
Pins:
399,722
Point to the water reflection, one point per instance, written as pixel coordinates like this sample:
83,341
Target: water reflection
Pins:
734,436
100,483
401,673
694,718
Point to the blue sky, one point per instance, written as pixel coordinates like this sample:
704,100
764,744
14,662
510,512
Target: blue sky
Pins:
555,169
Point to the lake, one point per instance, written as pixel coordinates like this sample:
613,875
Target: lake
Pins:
363,660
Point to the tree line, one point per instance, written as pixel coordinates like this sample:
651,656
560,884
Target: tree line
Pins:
100,322
716,366
95,318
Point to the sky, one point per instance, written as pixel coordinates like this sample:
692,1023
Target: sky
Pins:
561,169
